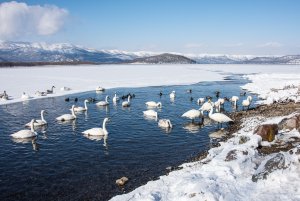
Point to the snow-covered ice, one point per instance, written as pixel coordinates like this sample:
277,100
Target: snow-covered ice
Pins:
87,77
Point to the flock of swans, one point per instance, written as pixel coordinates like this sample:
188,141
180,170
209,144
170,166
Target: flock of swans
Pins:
207,107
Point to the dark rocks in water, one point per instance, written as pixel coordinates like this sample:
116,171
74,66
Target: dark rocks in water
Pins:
275,163
76,99
67,99
267,131
290,123
191,99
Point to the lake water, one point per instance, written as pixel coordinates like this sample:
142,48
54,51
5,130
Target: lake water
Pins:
63,164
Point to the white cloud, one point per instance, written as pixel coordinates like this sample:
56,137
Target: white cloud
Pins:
271,44
17,19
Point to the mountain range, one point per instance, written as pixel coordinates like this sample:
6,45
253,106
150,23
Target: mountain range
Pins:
25,52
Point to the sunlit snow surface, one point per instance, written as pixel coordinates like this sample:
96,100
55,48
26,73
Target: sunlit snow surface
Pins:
87,77
275,87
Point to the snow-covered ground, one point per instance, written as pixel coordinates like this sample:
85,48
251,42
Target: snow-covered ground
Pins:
232,171
87,77
275,87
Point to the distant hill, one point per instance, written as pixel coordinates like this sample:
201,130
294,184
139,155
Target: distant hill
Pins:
24,53
164,59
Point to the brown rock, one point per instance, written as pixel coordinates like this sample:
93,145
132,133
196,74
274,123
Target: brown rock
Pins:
267,131
290,123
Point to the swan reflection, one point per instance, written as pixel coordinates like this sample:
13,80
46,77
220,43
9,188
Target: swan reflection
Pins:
32,140
192,127
98,138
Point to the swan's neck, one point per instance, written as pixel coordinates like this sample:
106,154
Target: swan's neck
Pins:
128,99
104,126
211,111
115,96
42,116
169,122
73,112
106,99
32,126
85,105
156,116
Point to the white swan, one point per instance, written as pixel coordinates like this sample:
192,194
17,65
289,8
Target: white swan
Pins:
4,96
40,93
221,101
151,113
219,117
126,103
26,133
39,122
25,96
193,114
217,105
97,131
206,106
153,104
65,89
234,100
67,117
81,109
100,88
165,123
103,103
247,102
116,98
200,101
172,94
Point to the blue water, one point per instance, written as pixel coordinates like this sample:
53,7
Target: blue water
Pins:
63,164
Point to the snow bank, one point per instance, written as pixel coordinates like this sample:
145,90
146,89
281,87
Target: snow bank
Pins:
232,171
274,87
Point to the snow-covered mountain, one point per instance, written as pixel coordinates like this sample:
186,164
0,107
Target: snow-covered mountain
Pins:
61,52
64,52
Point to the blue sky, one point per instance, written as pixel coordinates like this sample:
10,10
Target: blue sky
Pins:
189,26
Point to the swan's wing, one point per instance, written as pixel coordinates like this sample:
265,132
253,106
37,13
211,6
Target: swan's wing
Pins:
24,134
65,117
94,131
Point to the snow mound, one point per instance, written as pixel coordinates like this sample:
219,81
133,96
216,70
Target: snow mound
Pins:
273,88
